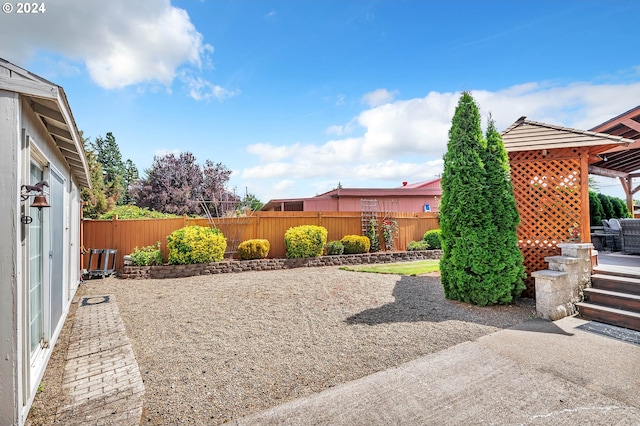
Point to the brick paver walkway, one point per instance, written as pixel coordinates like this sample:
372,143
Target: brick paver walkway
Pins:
101,384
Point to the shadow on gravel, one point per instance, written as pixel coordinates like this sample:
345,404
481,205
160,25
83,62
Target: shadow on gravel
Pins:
422,299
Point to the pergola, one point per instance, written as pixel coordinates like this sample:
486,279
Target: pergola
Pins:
550,168
621,162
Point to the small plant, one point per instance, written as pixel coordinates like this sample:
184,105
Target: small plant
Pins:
372,234
574,232
196,244
334,248
418,245
253,249
389,232
355,244
433,238
41,387
305,241
147,256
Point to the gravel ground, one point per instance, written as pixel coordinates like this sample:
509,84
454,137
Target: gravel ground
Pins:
218,347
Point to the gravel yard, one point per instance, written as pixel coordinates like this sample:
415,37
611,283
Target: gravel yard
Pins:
218,347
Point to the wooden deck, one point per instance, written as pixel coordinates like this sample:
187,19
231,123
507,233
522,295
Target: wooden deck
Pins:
619,262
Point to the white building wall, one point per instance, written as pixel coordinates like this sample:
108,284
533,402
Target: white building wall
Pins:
10,274
19,379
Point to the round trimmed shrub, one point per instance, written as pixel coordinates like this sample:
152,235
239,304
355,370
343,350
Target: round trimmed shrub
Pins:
196,244
305,241
433,238
355,244
334,248
418,245
253,249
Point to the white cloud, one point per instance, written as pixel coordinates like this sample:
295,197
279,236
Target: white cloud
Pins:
121,42
201,89
405,140
378,97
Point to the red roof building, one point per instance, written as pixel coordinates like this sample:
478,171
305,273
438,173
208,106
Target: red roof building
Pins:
416,197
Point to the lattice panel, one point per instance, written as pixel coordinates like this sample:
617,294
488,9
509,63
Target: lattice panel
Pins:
548,194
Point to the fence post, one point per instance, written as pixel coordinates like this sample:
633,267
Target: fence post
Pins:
185,220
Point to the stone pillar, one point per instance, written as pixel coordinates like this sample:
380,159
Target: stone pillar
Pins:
560,287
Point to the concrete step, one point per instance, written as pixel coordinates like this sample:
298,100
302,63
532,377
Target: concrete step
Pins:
619,317
620,284
613,299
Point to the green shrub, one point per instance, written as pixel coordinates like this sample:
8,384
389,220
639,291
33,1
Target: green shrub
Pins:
196,244
147,256
433,238
418,245
374,237
334,248
305,241
130,211
354,244
253,249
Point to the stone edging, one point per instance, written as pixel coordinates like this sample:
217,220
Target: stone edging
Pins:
231,266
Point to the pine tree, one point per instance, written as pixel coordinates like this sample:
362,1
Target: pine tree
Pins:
464,211
504,280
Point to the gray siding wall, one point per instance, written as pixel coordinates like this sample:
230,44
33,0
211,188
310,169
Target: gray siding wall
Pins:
9,271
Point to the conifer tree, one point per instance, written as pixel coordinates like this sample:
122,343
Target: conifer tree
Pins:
481,262
464,210
504,280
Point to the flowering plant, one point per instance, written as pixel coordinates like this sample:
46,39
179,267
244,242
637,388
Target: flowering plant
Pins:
574,232
389,232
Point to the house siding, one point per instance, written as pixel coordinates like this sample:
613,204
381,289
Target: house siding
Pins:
23,138
10,300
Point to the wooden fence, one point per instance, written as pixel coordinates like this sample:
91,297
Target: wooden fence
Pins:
125,235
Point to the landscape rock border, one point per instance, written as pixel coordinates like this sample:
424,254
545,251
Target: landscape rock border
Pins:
232,266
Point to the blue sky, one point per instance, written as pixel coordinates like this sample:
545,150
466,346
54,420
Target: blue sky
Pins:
297,96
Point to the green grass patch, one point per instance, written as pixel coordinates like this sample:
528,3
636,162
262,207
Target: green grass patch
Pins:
418,267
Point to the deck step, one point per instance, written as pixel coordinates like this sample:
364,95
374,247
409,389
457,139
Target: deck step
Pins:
615,283
619,271
619,317
613,299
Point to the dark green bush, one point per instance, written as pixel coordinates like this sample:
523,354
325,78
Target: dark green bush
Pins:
355,244
147,256
418,245
334,248
196,244
253,249
433,238
305,241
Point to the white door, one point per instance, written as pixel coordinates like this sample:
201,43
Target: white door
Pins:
57,210
36,270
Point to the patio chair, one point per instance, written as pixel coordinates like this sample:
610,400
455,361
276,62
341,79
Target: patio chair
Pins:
630,235
613,234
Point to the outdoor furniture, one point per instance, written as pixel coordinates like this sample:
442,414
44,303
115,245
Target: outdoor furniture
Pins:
613,234
102,262
630,235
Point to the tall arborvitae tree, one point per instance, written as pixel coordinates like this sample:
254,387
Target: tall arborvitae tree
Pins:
464,210
607,206
504,279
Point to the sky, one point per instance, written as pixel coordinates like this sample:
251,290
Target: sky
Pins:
298,96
